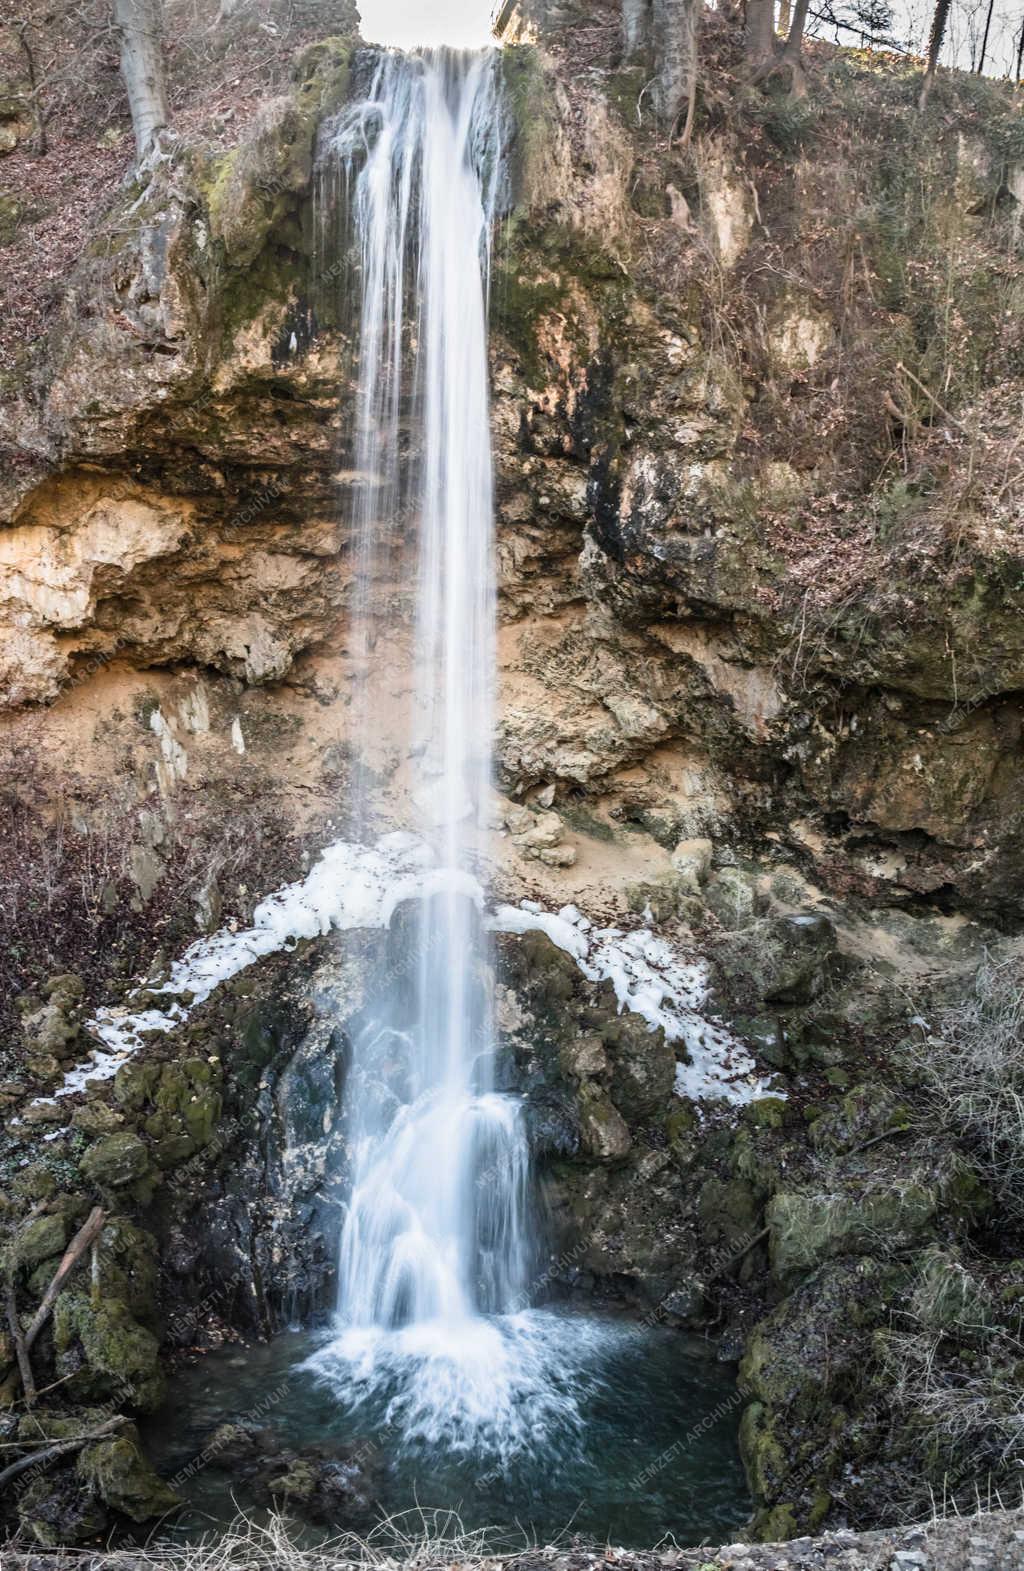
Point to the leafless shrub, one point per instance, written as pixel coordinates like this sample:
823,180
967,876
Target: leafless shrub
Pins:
972,1073
970,1407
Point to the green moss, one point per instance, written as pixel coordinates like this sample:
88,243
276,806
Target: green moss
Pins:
119,1473
36,1241
768,1112
116,1161
121,1356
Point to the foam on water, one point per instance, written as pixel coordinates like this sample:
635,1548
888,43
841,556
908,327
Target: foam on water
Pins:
495,1387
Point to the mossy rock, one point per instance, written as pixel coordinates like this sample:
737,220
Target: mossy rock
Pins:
765,1456
57,1509
254,189
729,1211
41,1239
116,1161
128,1269
643,1066
121,1356
732,895
605,1131
778,960
120,1474
809,1227
947,1299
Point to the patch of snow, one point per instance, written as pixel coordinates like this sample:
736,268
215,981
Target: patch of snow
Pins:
352,886
651,980
349,886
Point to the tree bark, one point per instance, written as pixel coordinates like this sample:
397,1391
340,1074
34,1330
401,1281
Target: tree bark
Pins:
1020,53
636,28
795,36
142,67
759,43
939,19
675,47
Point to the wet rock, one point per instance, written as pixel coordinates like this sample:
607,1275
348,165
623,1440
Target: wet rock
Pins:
336,1486
119,1473
57,1509
553,1125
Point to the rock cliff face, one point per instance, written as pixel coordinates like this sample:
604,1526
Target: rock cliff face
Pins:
746,587
761,567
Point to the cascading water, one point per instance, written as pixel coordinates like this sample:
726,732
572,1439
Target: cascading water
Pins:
437,1363
435,1250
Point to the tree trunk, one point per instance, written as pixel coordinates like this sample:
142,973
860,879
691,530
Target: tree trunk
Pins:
636,28
938,33
142,67
1020,53
783,19
759,44
675,48
984,42
795,37
695,12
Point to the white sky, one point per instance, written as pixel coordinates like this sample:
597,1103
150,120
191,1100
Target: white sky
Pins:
463,24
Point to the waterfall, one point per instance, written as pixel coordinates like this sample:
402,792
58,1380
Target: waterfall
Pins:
435,1257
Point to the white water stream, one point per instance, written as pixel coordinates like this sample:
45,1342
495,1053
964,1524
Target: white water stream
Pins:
435,1250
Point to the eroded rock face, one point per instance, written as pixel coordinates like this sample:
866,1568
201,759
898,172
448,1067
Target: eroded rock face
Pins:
181,497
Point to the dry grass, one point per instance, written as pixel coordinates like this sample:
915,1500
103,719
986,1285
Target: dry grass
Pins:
972,1075
413,1540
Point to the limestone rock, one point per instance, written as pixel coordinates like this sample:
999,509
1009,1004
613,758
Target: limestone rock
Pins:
39,1240
733,897
692,861
605,1131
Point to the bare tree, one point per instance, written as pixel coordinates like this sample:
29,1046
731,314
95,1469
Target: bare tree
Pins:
791,52
939,19
142,66
979,68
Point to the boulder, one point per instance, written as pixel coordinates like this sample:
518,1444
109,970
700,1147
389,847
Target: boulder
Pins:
116,1161
605,1131
118,1471
38,1240
643,1066
692,862
733,897
779,960
808,1227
